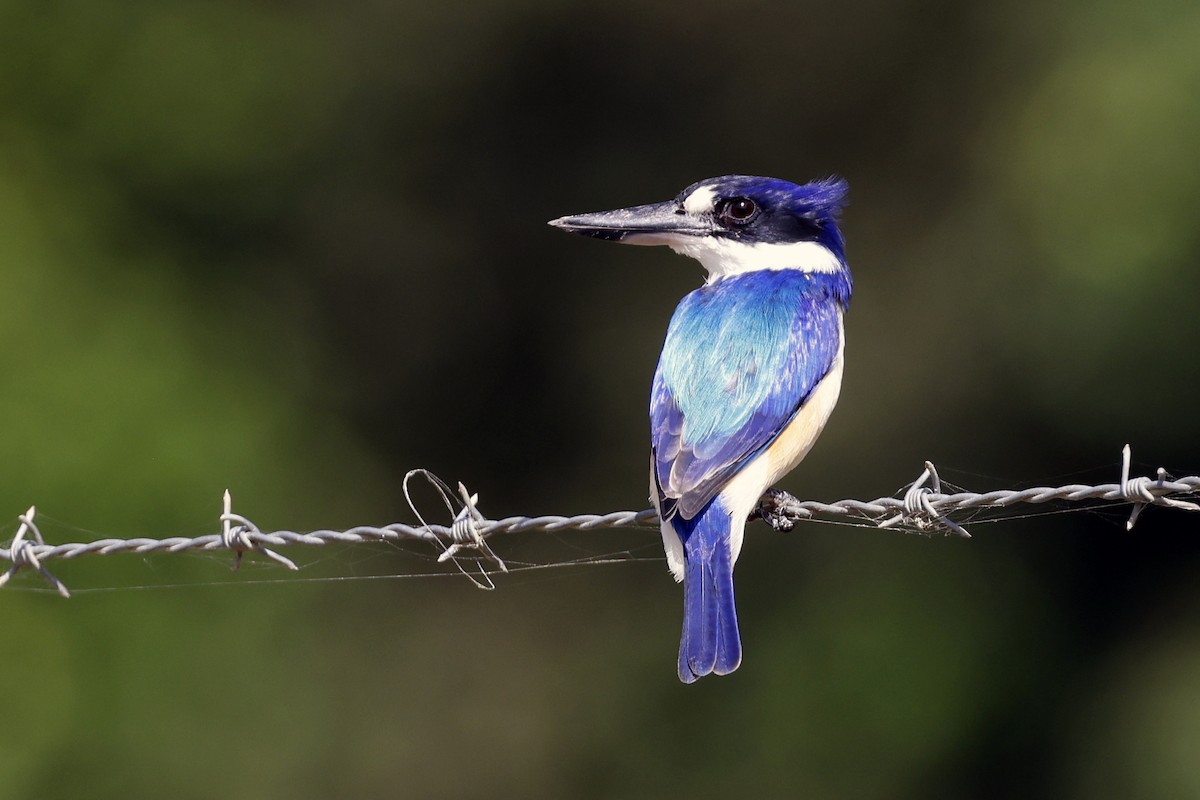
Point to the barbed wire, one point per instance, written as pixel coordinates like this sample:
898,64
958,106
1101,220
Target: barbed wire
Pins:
923,508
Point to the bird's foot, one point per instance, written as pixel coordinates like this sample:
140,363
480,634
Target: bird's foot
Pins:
775,509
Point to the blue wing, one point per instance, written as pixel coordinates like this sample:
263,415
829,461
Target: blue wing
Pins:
742,355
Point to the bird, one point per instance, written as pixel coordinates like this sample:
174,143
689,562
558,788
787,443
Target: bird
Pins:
750,371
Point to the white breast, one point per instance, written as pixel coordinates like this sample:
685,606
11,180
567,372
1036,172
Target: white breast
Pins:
743,492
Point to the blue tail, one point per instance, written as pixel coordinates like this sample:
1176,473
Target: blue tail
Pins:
710,633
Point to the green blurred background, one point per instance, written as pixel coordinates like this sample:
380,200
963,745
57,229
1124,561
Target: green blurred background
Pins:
296,249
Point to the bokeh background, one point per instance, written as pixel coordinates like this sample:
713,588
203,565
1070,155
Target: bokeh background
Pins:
296,249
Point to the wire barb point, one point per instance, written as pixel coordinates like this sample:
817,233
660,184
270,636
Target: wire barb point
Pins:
22,552
239,535
919,509
1143,491
468,531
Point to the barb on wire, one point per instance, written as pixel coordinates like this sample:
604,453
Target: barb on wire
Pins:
919,510
23,552
237,535
466,532
1141,491
922,508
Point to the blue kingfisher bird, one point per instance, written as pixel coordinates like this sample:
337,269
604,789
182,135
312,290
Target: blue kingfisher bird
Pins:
749,374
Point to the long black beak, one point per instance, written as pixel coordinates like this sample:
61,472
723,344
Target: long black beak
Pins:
657,223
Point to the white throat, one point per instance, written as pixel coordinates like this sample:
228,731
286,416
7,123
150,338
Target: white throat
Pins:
723,257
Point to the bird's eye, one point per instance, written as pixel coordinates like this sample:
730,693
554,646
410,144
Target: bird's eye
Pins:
737,210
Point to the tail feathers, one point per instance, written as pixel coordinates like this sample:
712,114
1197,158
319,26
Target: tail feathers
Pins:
710,642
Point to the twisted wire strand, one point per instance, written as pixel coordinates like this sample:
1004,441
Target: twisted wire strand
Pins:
922,508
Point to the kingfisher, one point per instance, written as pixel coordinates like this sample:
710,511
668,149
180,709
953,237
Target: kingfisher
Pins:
749,373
